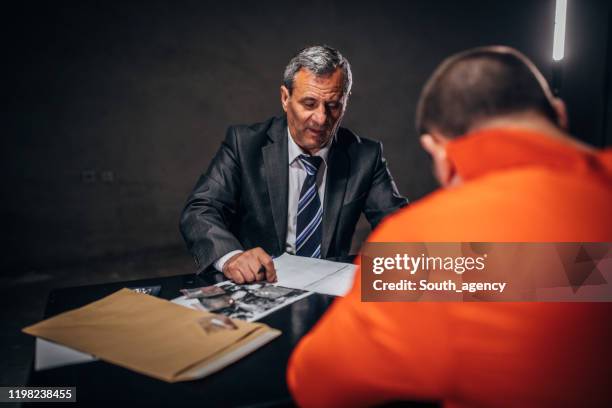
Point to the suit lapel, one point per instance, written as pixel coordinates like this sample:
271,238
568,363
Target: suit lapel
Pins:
276,163
337,177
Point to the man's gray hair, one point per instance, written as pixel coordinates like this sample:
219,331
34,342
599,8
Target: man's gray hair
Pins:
321,60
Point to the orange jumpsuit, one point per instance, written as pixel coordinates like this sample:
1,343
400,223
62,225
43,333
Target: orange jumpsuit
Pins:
518,186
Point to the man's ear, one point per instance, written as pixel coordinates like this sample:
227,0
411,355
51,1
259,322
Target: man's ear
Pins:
284,94
561,110
435,145
345,102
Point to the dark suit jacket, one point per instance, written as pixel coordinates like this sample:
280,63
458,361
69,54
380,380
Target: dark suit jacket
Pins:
241,200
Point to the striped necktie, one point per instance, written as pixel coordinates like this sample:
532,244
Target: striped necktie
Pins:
310,212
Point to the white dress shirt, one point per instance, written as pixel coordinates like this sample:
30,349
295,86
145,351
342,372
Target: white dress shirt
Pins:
297,175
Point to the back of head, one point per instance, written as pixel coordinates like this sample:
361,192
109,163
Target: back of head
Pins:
480,84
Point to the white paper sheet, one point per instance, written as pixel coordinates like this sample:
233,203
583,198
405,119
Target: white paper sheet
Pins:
51,355
316,275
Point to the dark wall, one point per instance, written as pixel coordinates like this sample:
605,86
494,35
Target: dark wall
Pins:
115,108
585,69
608,86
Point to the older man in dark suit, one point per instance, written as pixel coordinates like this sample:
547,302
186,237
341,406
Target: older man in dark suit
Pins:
295,184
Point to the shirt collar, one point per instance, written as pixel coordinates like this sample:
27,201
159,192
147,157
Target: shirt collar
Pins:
295,150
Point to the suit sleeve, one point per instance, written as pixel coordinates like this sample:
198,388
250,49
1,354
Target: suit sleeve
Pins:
212,206
383,197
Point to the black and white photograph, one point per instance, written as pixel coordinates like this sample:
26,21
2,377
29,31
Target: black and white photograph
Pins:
247,302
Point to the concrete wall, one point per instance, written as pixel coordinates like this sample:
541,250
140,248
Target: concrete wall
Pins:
114,108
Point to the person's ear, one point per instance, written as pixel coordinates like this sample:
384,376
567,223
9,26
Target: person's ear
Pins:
285,94
561,110
443,169
345,100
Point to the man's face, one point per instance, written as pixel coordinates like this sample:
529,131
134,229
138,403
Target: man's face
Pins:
314,108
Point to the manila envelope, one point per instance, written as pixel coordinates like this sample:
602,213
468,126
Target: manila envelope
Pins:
153,336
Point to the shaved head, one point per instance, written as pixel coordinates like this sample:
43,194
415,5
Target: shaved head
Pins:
480,84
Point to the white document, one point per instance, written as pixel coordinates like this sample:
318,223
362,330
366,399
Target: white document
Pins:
315,275
51,355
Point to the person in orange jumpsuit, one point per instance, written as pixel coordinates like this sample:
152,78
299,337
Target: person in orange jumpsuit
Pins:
510,173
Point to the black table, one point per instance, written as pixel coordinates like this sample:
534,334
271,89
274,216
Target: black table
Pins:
256,380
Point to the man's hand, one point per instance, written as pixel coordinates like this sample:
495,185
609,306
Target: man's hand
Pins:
250,266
